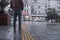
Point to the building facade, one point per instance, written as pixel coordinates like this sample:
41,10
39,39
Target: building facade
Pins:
27,10
53,4
38,8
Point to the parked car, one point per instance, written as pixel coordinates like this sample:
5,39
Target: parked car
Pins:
40,20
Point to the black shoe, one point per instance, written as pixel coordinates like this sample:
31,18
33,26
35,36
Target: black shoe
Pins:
14,32
20,35
14,37
20,30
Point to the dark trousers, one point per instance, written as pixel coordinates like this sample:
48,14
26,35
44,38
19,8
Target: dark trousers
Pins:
17,13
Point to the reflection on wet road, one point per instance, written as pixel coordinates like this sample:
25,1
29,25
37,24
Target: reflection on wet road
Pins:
44,31
37,30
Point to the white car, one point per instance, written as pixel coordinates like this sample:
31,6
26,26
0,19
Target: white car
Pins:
40,20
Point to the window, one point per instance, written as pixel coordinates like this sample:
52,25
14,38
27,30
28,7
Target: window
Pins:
59,0
35,11
27,5
58,3
58,7
24,5
48,5
48,0
38,6
39,12
27,10
25,1
34,0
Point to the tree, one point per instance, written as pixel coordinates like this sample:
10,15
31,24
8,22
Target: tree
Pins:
51,14
3,4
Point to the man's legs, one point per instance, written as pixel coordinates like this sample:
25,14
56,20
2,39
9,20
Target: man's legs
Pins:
19,17
14,22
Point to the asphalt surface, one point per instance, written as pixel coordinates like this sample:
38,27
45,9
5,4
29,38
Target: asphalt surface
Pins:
7,33
39,31
44,30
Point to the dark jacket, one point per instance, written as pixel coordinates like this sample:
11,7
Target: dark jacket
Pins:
17,4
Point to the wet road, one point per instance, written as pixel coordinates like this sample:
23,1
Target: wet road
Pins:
44,31
39,31
6,32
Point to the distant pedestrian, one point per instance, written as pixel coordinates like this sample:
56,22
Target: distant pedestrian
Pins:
17,6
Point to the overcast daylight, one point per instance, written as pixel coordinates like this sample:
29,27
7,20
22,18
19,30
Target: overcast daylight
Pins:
29,19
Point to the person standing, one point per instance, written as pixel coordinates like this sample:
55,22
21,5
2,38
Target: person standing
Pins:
17,6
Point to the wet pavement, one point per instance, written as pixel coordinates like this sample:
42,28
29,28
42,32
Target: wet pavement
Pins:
44,30
39,31
7,33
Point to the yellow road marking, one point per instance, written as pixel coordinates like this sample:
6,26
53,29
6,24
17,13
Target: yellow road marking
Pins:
23,36
26,36
30,36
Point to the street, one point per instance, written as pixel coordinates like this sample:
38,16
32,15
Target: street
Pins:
38,30
44,31
39,19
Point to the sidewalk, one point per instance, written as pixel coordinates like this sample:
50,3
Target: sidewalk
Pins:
7,33
43,31
34,30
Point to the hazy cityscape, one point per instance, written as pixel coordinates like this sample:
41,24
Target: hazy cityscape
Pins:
39,8
40,20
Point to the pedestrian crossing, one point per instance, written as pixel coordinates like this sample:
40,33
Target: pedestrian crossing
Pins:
26,36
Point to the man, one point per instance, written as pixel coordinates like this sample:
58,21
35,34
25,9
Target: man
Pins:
17,6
